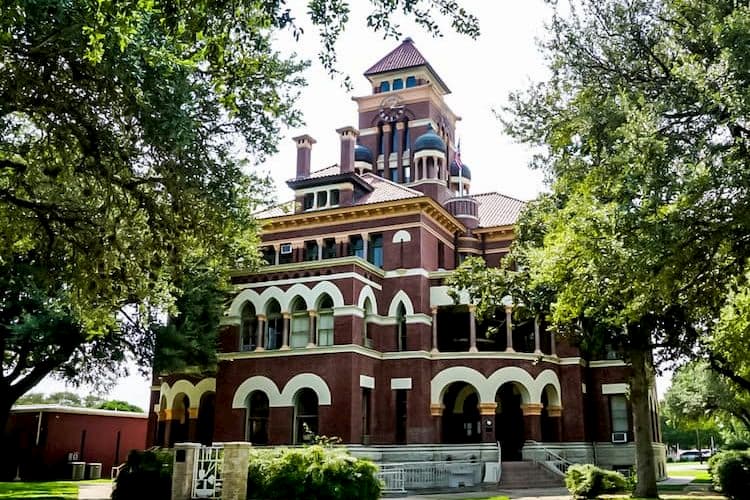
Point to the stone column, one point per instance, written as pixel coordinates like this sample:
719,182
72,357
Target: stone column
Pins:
386,149
286,318
399,150
537,340
234,471
472,330
509,328
487,413
185,455
260,334
553,346
532,421
312,314
319,242
434,311
365,238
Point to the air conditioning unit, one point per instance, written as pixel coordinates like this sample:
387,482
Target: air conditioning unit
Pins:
285,249
619,437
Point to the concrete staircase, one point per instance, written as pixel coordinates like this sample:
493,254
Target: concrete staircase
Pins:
518,475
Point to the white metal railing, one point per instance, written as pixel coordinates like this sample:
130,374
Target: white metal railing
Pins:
116,470
499,462
553,461
439,474
207,473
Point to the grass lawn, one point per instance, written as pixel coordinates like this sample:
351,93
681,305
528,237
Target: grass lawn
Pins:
58,490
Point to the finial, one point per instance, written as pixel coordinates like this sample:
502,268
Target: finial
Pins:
408,40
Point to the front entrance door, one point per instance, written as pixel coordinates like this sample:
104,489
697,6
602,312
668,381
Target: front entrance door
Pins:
509,429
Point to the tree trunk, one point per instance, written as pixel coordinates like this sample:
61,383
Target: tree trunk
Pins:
639,392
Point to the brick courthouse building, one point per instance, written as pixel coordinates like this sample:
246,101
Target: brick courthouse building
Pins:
350,330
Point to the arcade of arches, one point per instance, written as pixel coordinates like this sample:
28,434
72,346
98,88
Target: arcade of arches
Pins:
185,423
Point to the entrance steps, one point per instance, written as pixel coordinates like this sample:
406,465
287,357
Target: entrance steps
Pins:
520,475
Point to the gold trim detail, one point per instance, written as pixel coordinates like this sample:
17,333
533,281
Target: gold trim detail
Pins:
530,409
487,408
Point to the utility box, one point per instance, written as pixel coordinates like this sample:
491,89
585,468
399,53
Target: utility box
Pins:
77,470
94,470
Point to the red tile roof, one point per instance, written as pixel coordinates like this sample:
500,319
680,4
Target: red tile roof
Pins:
404,56
385,190
496,209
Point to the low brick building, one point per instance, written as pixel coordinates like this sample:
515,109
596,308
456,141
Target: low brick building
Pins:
350,330
44,439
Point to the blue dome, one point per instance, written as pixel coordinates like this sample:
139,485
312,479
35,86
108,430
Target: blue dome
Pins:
362,153
465,172
429,140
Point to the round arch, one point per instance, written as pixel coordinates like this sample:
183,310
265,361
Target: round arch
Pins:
442,380
257,383
520,377
306,380
399,298
548,379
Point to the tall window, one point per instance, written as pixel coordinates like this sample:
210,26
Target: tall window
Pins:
325,321
248,327
365,329
618,408
311,250
275,325
394,138
401,327
393,174
381,145
269,255
322,198
305,416
407,139
286,253
366,418
256,430
357,246
300,324
441,254
375,250
329,248
401,416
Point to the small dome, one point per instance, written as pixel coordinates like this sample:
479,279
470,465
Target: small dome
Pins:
465,172
362,153
429,140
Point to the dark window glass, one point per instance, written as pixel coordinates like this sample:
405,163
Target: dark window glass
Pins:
257,418
311,250
394,138
407,137
248,328
274,326
381,145
385,86
398,84
441,255
357,246
401,416
269,255
393,174
334,197
618,407
401,327
329,248
309,201
322,199
375,250
286,258
411,81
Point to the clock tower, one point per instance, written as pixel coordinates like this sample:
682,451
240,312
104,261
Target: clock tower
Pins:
406,124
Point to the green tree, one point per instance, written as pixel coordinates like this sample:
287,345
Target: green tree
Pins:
641,129
118,405
128,131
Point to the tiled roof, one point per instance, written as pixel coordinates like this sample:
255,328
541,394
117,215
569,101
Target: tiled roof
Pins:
325,172
405,55
385,190
285,208
496,209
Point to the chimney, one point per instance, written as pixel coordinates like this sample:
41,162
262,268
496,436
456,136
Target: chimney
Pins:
304,149
348,139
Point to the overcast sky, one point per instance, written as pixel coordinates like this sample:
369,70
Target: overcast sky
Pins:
480,73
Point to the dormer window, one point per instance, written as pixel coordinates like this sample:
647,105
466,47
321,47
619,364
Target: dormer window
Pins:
411,81
322,198
309,201
385,86
398,84
325,198
334,197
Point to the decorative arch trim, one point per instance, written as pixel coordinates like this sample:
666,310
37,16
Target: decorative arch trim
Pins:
519,377
193,392
235,309
256,383
548,378
303,381
442,380
400,297
364,294
401,236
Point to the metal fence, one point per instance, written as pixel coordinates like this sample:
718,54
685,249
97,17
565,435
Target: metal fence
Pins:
207,477
398,477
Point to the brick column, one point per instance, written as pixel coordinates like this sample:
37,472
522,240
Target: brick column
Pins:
182,470
487,413
509,329
436,411
434,311
192,424
312,314
260,334
532,421
472,330
234,470
554,412
286,317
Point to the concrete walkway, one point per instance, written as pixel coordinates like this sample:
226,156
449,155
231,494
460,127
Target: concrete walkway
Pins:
525,494
96,491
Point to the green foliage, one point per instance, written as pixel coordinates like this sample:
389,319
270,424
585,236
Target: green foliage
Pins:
146,471
589,481
315,472
730,471
67,398
737,446
119,405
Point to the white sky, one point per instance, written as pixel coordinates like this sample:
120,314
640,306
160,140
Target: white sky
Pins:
480,73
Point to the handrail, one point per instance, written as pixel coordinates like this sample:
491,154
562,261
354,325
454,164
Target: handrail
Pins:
552,460
499,461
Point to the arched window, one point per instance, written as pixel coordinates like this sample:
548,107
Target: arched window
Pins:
325,320
275,325
305,416
300,324
398,84
248,327
401,327
256,430
411,81
385,86
365,329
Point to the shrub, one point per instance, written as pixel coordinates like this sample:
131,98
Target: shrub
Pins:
730,471
738,445
146,471
311,473
590,481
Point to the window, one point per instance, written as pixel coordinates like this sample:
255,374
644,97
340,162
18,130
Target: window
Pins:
441,254
329,248
411,81
398,84
256,431
393,174
401,415
275,325
385,86
334,197
618,407
375,250
357,246
407,139
394,138
269,255
322,198
381,139
325,321
286,253
311,250
300,324
407,173
365,330
305,416
401,327
248,327
309,201
366,396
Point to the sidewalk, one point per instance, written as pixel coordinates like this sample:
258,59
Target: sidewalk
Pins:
525,494
97,491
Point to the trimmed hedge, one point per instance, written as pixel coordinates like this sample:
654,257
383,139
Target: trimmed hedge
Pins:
730,471
590,481
311,473
146,472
